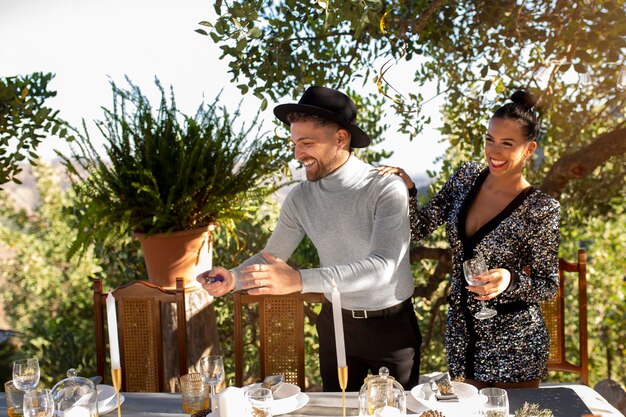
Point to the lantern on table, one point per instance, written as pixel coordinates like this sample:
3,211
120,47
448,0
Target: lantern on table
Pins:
382,393
75,397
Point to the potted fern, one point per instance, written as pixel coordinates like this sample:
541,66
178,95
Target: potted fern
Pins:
167,175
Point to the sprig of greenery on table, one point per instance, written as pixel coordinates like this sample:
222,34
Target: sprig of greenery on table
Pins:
533,410
494,413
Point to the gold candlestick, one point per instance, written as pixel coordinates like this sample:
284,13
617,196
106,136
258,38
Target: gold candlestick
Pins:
116,376
343,383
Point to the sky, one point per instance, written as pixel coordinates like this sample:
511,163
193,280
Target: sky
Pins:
88,43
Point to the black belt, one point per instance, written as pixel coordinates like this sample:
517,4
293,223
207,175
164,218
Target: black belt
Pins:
370,314
512,307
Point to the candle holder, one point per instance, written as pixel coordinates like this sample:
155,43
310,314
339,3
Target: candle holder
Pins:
116,376
343,383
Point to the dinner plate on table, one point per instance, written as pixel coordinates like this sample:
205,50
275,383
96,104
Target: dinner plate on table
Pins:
287,398
469,400
110,405
105,393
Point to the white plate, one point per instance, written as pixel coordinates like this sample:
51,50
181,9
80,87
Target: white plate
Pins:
469,400
105,393
286,390
287,405
110,405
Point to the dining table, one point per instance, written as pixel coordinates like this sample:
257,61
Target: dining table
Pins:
324,404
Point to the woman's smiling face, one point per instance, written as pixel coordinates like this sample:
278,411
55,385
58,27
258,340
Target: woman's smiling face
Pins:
506,147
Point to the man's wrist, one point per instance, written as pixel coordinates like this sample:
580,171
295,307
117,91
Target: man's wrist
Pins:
299,280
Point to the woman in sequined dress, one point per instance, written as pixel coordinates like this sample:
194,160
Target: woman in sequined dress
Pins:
491,210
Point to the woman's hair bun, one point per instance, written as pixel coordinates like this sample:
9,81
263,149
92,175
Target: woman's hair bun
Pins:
524,98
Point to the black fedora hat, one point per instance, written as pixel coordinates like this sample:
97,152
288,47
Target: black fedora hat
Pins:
329,104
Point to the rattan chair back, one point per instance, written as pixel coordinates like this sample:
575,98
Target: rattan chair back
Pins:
140,309
554,313
281,333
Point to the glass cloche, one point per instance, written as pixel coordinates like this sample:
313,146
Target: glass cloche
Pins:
382,395
75,397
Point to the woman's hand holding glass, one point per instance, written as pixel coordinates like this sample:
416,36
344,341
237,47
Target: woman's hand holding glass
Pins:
495,282
472,269
26,374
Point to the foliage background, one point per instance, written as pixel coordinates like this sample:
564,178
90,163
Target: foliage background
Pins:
478,52
25,121
570,54
48,298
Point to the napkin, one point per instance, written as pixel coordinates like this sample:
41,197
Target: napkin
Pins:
231,403
442,387
387,411
77,411
448,398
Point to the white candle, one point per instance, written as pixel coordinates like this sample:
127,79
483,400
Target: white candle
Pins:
112,324
338,321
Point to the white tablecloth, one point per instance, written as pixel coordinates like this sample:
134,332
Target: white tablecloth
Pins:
319,405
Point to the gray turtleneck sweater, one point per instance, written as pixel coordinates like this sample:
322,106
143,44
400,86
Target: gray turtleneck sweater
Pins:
358,222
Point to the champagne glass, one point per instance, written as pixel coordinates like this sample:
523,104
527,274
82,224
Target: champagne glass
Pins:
496,402
212,371
26,374
38,403
471,269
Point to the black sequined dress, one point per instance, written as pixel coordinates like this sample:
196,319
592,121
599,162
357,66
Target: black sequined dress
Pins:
513,346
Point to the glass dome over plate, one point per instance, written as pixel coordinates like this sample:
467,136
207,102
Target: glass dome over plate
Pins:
381,393
75,397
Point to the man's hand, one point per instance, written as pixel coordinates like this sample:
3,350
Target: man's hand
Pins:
211,283
274,278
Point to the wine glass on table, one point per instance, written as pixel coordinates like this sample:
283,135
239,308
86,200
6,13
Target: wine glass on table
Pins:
212,372
473,268
26,374
38,403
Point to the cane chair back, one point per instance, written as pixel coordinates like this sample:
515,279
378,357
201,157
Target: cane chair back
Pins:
141,307
554,314
281,333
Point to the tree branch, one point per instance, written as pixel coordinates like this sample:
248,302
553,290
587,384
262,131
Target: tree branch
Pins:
441,255
417,25
444,266
435,316
581,163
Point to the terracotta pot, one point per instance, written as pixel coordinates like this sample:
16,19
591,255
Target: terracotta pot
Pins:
177,254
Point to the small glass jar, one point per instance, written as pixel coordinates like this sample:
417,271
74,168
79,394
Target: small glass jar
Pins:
380,391
75,397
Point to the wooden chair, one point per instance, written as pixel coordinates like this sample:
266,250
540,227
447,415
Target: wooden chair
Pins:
281,330
141,308
554,315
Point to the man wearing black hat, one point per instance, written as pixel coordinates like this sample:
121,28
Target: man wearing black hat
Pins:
358,222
